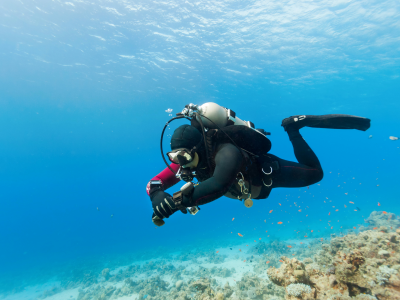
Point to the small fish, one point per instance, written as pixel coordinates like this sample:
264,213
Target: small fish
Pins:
375,228
354,227
279,222
169,110
233,219
329,214
379,204
370,137
98,209
267,262
281,261
112,216
241,235
337,210
265,221
351,202
289,246
260,240
384,212
280,204
312,230
358,208
244,261
345,205
393,138
217,251
240,250
271,211
299,210
301,243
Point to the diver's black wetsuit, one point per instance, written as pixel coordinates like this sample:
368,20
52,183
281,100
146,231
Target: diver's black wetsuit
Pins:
223,173
290,174
229,161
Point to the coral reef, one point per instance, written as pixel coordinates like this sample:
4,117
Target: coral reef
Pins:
106,273
253,287
384,274
382,221
363,266
274,249
298,289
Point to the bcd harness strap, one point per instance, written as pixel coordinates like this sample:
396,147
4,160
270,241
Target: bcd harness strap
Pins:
267,164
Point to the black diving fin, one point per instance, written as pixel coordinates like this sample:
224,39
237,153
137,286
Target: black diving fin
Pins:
333,121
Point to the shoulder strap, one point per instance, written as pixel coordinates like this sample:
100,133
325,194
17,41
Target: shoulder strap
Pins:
210,138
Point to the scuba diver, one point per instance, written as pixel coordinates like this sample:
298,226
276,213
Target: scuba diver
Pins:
229,157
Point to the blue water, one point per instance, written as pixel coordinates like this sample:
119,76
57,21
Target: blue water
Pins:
84,86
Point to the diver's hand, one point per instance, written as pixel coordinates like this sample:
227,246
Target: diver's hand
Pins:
164,207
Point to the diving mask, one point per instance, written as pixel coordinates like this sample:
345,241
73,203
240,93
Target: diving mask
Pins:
181,156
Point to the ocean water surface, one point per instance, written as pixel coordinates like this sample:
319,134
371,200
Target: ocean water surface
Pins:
84,89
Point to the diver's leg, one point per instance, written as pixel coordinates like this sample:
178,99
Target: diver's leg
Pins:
304,154
308,171
292,174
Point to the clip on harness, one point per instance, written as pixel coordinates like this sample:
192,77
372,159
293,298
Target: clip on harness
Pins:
245,191
270,167
271,170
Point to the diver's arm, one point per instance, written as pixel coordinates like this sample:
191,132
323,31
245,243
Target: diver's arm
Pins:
228,162
167,178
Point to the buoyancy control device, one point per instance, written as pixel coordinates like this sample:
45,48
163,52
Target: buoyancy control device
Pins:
229,129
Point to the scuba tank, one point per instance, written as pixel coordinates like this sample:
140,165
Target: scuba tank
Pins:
214,116
246,137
